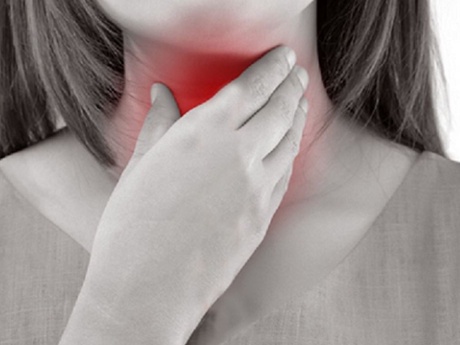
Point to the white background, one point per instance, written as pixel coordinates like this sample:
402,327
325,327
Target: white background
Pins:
447,26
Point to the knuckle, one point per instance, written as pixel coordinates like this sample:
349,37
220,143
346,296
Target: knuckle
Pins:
283,107
244,159
225,99
294,144
190,139
295,81
247,146
258,87
259,81
234,89
279,67
248,159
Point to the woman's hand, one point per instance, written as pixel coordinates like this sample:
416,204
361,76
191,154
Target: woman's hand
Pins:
191,208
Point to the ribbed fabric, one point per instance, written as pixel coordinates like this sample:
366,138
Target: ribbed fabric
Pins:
399,285
41,273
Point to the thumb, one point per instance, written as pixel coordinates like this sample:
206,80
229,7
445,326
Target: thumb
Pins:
164,112
161,116
159,119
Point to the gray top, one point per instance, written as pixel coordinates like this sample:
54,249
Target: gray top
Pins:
399,285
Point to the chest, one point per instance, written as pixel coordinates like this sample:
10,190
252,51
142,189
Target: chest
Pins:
302,246
305,242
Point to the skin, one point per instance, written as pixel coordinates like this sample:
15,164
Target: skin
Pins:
164,43
345,166
338,185
337,188
161,39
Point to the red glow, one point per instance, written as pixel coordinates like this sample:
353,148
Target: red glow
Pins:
207,75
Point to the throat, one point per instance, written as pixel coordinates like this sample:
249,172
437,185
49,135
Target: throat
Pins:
194,78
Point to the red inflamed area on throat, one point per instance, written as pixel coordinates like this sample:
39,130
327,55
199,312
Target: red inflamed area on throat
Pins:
196,79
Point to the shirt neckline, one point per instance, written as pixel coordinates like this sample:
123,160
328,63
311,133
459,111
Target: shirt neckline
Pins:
32,207
395,195
400,191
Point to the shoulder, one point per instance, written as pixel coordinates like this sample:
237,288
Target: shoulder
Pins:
11,203
16,176
23,182
27,170
445,165
439,181
28,179
431,195
431,210
36,175
41,268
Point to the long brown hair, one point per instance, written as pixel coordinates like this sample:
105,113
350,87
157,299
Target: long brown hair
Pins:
65,59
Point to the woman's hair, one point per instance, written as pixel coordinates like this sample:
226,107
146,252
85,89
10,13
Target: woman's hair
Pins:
65,59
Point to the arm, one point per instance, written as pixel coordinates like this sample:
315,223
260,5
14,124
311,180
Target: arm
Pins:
91,324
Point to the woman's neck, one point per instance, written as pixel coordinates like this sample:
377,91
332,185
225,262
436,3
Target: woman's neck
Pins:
194,74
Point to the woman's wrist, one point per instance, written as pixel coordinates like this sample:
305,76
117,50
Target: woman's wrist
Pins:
91,324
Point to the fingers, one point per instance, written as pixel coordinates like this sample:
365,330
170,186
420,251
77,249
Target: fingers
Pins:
284,154
269,125
165,112
159,119
240,99
280,190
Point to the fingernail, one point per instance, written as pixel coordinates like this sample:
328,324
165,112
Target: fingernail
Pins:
153,93
303,76
303,104
291,57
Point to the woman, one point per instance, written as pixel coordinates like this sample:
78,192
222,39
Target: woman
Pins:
363,247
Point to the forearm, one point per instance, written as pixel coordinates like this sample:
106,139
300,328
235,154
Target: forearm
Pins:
90,324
